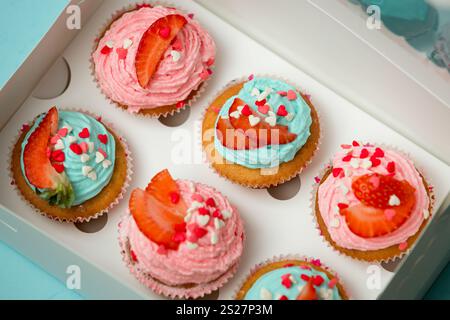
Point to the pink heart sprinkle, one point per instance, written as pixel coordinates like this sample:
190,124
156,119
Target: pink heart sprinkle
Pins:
264,109
403,246
282,112
54,139
197,197
389,214
164,32
291,95
103,153
332,283
317,179
251,77
122,53
63,132
84,147
204,74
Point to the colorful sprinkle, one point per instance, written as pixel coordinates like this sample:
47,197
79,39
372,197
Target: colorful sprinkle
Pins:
291,95
76,148
174,197
282,112
103,138
122,53
391,167
337,172
364,153
403,246
84,133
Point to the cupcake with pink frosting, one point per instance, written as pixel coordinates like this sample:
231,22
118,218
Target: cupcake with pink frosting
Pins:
153,60
181,239
372,203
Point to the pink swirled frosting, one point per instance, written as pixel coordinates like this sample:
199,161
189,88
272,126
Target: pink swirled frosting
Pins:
336,190
187,265
173,80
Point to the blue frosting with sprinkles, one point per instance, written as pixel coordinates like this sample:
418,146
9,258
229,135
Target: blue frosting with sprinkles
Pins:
299,122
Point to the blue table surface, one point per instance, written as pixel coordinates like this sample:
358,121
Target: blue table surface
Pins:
23,23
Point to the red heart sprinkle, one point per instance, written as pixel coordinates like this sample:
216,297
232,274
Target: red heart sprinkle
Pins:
364,153
317,280
217,214
347,158
58,156
180,104
210,202
76,148
103,138
122,53
180,227
179,237
342,206
246,110
355,143
165,32
379,153
210,62
403,246
337,172
286,281
316,262
375,161
391,167
84,133
261,103
283,297
203,211
133,256
106,50
174,197
305,277
59,167
282,112
200,232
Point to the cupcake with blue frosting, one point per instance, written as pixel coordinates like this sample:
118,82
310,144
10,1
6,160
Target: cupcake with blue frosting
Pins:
260,132
69,165
291,278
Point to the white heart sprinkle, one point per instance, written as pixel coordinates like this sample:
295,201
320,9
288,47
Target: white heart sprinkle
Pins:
106,164
354,163
191,246
127,43
255,92
271,120
214,238
59,145
110,44
203,220
86,169
69,128
176,55
235,114
289,117
264,94
226,214
253,120
218,223
99,157
426,214
188,217
84,158
394,200
71,139
291,277
240,108
265,294
366,164
90,146
344,189
334,223
92,175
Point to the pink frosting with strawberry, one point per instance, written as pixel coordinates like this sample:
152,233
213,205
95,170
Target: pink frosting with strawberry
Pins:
197,260
337,188
178,74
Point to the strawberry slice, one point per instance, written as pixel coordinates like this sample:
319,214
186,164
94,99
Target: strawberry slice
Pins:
238,134
374,217
308,292
155,220
163,188
154,43
52,186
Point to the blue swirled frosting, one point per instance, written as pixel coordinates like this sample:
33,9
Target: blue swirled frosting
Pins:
271,282
84,187
272,155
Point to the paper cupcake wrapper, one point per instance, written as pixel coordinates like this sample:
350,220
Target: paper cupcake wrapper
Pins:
244,79
162,289
326,168
287,257
97,214
117,14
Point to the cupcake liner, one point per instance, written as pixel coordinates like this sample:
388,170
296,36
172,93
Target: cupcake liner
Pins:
326,168
162,289
117,14
286,257
281,181
113,203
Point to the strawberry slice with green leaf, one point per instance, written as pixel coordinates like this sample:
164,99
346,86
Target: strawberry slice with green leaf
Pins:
52,186
374,216
308,292
238,133
154,43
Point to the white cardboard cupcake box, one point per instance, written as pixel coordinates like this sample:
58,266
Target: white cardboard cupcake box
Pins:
359,93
